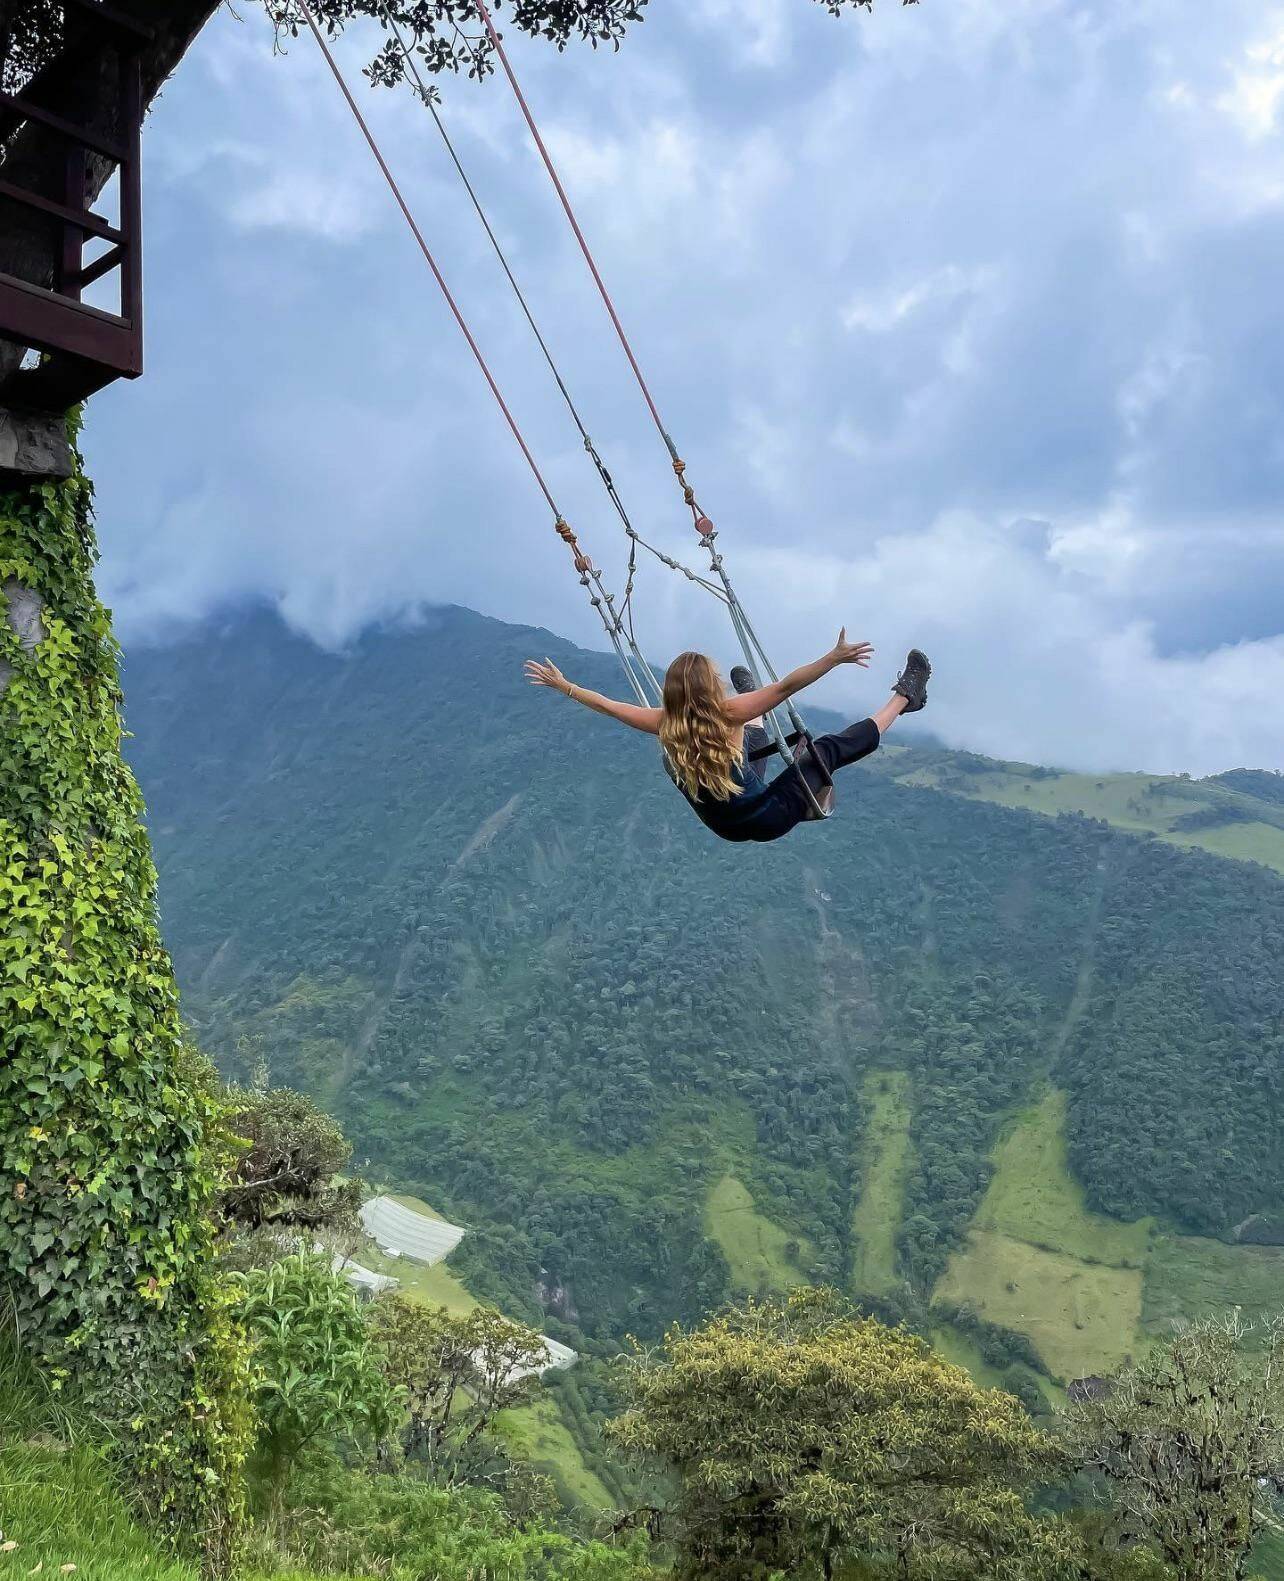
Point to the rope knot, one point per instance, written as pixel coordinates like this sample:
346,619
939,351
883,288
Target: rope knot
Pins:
679,466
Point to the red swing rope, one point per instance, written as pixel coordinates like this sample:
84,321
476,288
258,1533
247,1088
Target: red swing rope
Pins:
582,562
702,522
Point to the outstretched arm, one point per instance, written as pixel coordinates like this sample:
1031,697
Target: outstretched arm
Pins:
748,705
548,674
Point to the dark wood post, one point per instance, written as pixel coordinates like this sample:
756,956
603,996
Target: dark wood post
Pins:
61,137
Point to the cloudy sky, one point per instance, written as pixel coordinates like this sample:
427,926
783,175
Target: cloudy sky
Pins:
967,317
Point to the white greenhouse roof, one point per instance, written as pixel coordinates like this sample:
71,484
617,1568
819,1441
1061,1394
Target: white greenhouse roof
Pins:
561,1357
408,1232
364,1278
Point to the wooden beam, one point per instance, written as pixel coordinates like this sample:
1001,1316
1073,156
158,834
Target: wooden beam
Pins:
83,219
32,316
24,110
100,266
131,197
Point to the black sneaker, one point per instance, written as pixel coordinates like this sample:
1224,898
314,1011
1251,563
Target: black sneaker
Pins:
911,683
741,678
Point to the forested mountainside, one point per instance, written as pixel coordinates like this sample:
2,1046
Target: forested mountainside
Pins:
919,1051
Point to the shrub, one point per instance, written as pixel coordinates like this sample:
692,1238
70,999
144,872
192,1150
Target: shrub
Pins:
317,1374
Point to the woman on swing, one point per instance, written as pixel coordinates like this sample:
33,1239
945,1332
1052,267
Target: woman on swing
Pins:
712,738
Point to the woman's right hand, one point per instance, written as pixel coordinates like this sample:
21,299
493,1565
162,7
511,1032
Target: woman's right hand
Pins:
546,674
844,652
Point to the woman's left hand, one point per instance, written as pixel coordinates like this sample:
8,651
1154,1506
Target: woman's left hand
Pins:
845,652
546,674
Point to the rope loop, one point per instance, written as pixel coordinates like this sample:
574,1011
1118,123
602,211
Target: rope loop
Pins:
566,533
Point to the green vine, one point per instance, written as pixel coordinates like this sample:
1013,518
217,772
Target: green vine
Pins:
112,1136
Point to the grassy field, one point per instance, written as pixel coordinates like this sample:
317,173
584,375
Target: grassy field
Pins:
538,1434
1040,1262
757,1251
61,1511
435,1286
885,1157
1034,1198
1086,1289
1140,803
1188,1276
418,1205
1081,1317
59,1507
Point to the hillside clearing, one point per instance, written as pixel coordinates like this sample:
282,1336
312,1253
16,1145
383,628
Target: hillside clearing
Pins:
1189,1276
537,1433
885,1156
1081,1318
1033,1197
757,1250
1137,803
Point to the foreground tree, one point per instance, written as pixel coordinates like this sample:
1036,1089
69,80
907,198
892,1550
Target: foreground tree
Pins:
804,1438
1191,1444
453,1376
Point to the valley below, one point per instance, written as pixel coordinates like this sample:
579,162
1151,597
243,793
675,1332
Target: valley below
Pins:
997,1052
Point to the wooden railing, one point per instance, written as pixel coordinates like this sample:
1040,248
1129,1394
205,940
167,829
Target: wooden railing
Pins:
85,347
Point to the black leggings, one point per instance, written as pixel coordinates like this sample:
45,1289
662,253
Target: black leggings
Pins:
786,804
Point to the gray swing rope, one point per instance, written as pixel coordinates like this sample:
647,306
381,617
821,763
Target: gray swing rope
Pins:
622,619
634,663
621,632
618,624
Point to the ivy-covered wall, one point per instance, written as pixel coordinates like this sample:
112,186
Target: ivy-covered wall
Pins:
111,1135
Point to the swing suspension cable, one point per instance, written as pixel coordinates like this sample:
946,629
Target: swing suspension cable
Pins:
617,624
497,44
750,645
635,666
624,615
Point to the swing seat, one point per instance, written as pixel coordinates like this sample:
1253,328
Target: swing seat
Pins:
825,801
820,801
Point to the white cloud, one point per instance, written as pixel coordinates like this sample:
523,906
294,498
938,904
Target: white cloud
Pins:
1030,662
965,317
879,316
758,33
1256,95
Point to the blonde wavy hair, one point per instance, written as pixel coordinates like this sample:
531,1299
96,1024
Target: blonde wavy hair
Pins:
702,744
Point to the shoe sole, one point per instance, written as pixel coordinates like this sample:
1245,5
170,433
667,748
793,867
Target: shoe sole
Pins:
913,659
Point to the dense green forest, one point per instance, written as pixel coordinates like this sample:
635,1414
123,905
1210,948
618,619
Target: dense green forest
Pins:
482,927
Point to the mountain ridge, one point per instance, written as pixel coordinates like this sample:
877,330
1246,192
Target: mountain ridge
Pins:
643,1066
